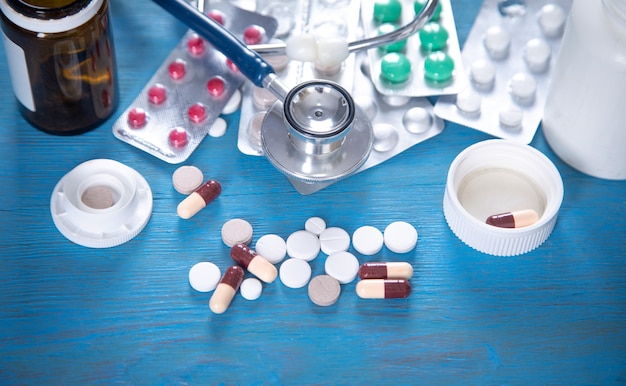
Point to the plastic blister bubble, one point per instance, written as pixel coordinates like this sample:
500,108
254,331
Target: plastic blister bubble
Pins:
180,103
509,56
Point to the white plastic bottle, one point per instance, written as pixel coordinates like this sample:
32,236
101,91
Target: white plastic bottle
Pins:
585,114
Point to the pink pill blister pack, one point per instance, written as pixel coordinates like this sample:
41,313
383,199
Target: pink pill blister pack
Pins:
433,53
509,55
178,106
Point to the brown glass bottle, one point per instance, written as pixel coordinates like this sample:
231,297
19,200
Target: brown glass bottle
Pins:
62,62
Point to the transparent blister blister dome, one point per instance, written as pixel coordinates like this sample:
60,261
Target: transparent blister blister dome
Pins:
427,63
509,57
178,106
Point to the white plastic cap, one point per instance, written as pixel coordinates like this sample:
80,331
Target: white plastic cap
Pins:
124,195
498,176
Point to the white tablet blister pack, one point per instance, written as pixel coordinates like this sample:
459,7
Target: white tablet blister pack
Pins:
179,105
428,63
509,55
322,19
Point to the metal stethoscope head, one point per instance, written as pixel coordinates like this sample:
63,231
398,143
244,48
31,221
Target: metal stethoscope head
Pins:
315,133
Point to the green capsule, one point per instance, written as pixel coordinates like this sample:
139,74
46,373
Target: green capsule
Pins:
395,67
395,46
433,37
387,11
438,67
418,5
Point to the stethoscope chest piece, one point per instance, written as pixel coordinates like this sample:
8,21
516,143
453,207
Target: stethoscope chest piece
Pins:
317,134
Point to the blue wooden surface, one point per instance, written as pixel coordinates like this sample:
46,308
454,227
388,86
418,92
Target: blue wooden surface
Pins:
126,315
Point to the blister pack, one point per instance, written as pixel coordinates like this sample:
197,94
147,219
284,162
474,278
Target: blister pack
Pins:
196,83
509,53
427,63
320,18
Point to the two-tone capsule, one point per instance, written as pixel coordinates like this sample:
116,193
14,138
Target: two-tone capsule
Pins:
383,288
386,270
226,289
197,200
253,262
515,219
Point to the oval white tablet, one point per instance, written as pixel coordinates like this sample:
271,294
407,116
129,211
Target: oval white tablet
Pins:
272,247
303,245
315,225
204,276
400,237
334,239
367,240
251,288
295,273
343,266
218,128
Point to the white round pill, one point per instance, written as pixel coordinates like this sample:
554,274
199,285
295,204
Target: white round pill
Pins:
204,276
537,55
295,273
233,103
236,231
315,225
483,73
218,128
272,247
367,240
400,237
386,137
186,179
552,20
497,42
523,87
468,101
251,288
417,120
511,116
303,245
334,239
343,266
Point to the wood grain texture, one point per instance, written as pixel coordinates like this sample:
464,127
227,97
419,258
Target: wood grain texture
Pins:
127,315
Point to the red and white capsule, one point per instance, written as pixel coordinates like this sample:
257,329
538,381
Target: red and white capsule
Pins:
253,262
226,289
197,200
516,219
386,270
383,288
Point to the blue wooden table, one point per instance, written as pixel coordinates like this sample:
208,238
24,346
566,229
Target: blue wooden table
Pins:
126,315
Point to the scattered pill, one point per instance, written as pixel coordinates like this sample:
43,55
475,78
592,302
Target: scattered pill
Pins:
178,137
552,20
303,245
295,273
253,262
438,67
497,42
226,289
433,37
383,288
186,179
177,69
236,231
272,247
515,219
395,67
218,128
537,55
233,103
400,237
157,94
386,11
334,239
324,290
204,276
417,120
137,118
251,288
386,270
98,197
367,240
197,200
315,225
343,266
216,86
197,113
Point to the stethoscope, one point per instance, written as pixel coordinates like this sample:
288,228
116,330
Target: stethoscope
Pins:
314,133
